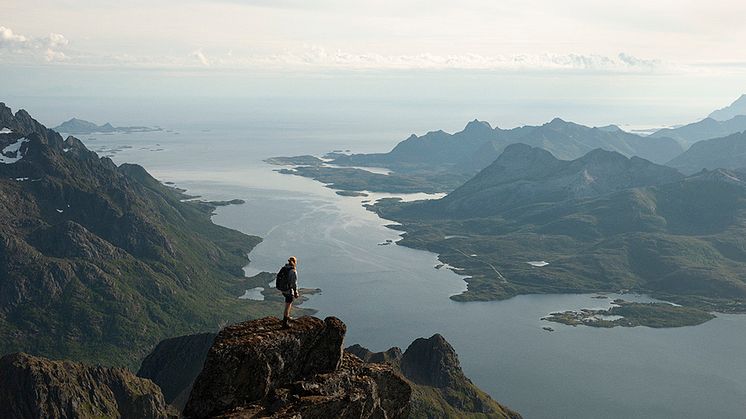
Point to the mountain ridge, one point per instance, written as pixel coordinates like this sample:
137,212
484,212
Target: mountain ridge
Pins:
724,153
652,230
705,129
95,257
478,144
738,107
532,175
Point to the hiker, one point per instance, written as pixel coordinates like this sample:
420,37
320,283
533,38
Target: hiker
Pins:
287,283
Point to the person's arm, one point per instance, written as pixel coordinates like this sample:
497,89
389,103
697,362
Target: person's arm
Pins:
293,276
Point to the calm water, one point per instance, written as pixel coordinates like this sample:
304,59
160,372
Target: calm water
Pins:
388,295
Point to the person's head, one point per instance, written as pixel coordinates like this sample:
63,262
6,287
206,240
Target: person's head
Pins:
293,261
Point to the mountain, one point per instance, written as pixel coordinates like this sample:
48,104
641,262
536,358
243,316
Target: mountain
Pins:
734,109
258,369
525,175
34,387
99,262
478,145
530,223
77,126
440,388
703,130
726,153
304,370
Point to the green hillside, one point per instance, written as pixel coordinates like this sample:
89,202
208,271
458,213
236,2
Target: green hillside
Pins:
98,263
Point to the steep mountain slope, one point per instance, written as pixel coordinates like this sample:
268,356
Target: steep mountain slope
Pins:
257,366
479,144
734,109
726,153
525,175
703,130
99,262
34,387
531,224
440,388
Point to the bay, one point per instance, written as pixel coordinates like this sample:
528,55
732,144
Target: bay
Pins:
388,294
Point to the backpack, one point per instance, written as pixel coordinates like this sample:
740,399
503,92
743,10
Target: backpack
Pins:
282,280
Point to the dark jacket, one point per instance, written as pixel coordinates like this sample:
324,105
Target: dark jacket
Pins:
292,279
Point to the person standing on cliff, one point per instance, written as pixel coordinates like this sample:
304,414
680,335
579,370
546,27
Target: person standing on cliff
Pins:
287,283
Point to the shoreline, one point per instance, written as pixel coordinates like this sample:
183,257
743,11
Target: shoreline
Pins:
481,289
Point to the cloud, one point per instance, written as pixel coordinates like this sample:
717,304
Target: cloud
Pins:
201,57
22,48
9,39
54,48
319,57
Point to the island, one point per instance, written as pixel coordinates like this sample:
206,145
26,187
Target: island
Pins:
351,193
77,126
630,314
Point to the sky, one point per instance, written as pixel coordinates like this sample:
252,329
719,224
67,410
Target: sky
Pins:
657,61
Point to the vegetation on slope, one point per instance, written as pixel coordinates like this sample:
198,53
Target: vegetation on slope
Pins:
98,263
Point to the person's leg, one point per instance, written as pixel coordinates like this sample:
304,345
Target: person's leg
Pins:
288,308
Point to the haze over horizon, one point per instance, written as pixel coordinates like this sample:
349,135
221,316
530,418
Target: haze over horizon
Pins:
642,64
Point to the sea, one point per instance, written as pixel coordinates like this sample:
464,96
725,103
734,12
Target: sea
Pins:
389,295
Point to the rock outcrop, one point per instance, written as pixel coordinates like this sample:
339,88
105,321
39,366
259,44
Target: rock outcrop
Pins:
391,356
34,387
259,369
432,362
440,387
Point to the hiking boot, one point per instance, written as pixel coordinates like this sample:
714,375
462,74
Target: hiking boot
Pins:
286,322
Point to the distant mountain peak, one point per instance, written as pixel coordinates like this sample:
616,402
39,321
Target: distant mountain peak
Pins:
520,148
477,125
738,107
521,152
601,155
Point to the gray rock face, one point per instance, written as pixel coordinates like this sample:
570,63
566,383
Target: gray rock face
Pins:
391,356
440,388
432,362
34,387
258,369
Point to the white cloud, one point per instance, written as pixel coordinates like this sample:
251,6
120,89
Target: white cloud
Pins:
20,47
201,57
55,40
54,48
10,39
319,57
